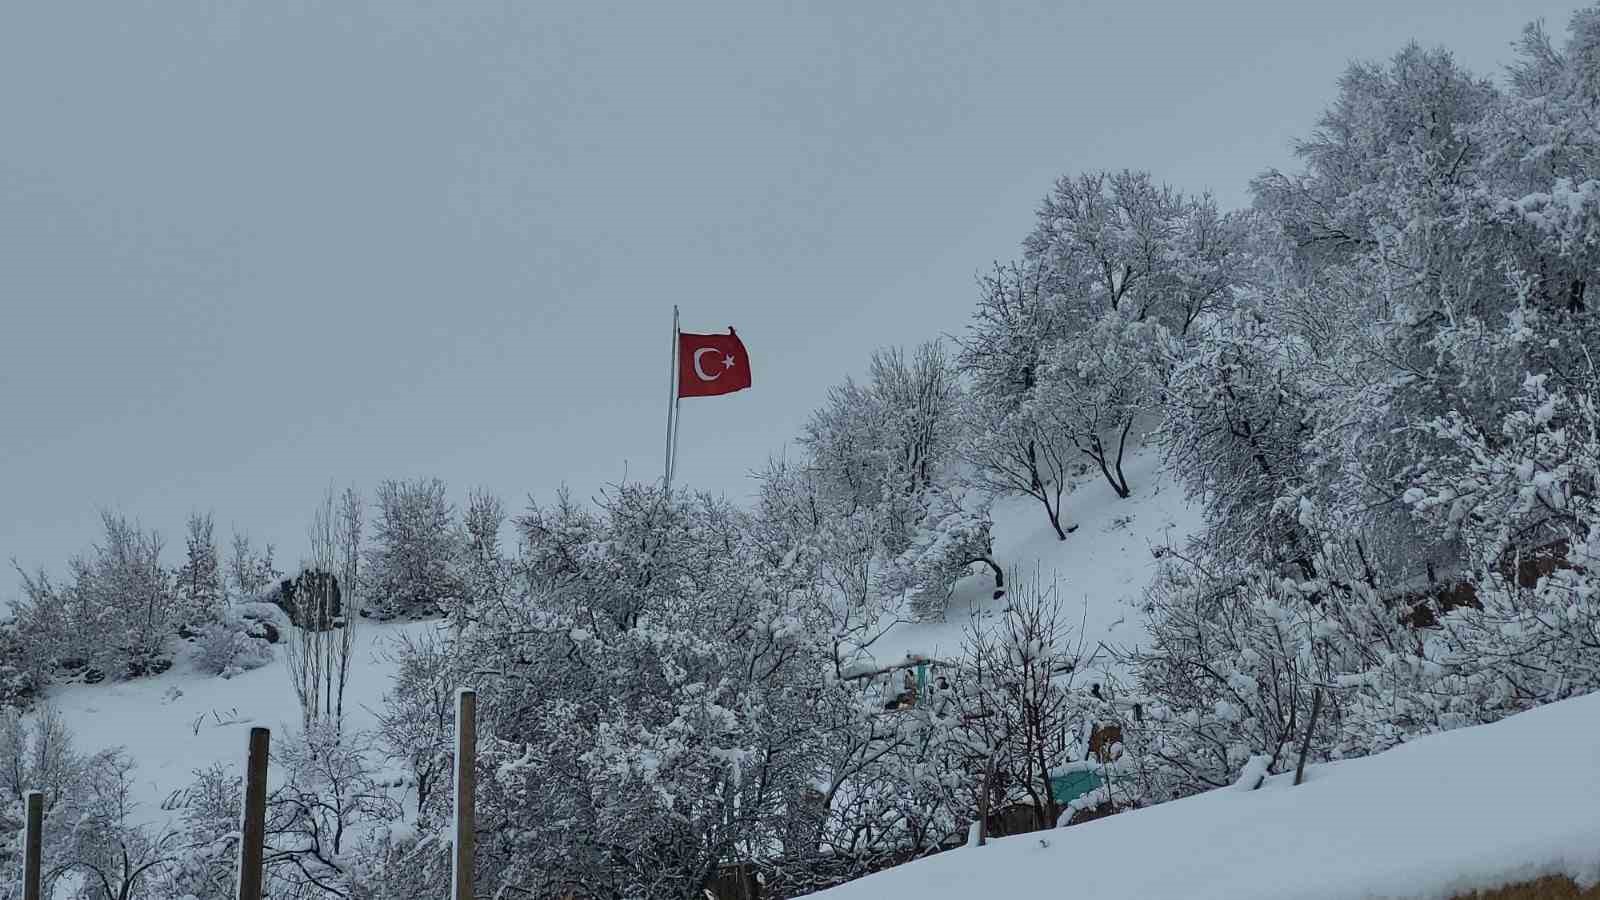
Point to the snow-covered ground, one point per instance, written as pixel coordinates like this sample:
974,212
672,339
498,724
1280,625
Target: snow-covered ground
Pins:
183,720
1100,570
1466,810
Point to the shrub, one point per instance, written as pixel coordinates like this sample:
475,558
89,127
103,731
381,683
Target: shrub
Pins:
228,647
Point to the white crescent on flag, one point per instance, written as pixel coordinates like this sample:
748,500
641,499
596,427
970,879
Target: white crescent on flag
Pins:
699,370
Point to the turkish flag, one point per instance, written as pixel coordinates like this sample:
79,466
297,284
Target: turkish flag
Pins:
711,364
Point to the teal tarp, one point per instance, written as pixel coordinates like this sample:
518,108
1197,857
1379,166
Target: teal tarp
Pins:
1073,785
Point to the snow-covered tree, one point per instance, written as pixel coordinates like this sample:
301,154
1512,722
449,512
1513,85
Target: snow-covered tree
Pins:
106,847
416,722
199,579
1096,385
411,562
24,670
1014,703
1105,239
94,844
1231,668
1524,503
205,862
636,714
324,815
1015,320
878,445
250,573
484,572
656,701
1119,242
318,654
804,544
1009,445
1236,422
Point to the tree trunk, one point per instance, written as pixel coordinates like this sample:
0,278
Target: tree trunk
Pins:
1311,730
1055,520
1097,452
1122,446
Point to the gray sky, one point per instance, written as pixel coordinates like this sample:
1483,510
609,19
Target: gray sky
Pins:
249,249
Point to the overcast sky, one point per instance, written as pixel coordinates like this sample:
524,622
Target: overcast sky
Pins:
251,249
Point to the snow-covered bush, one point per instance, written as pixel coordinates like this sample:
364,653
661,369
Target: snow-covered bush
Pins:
1524,503
230,647
206,859
945,547
1013,704
116,616
324,818
22,670
1231,668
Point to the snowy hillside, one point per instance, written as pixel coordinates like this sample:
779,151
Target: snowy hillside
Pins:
178,722
1101,569
1465,810
183,720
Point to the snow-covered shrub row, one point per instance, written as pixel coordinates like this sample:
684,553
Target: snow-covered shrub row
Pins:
121,609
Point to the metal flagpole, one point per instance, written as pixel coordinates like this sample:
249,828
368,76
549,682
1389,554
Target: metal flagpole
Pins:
672,401
677,398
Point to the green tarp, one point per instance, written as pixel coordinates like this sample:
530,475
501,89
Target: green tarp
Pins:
1073,785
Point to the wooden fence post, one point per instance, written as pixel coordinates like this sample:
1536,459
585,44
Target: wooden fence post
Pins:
254,826
465,781
983,803
33,847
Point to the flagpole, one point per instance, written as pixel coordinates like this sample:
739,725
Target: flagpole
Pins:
677,399
672,402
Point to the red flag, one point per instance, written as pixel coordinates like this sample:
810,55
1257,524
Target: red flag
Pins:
711,364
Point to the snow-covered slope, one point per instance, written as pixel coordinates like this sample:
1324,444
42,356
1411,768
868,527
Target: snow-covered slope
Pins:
182,720
1471,809
1100,570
